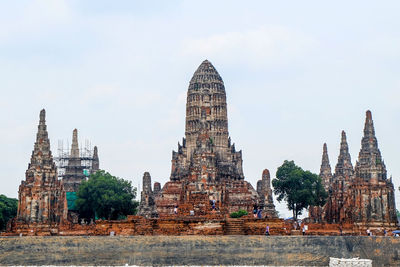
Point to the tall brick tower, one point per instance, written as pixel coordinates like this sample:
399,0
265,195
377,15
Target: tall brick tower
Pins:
325,171
207,122
339,188
206,170
372,198
317,214
41,197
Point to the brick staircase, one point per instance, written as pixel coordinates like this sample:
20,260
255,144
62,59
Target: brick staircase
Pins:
234,227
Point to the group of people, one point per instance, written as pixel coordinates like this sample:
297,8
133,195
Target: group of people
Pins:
385,233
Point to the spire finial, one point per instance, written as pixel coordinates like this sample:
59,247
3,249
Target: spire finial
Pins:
369,115
95,163
369,130
42,116
266,173
344,137
75,145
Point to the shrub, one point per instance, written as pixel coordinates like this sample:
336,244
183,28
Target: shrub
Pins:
238,214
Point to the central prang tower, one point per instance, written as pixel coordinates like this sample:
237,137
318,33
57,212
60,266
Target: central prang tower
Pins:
206,174
207,128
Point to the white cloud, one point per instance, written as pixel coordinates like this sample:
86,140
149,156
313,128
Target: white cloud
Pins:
32,18
258,47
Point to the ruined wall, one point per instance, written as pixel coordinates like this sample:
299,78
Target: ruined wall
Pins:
137,225
196,250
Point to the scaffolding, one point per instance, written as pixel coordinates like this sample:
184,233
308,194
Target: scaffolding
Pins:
85,155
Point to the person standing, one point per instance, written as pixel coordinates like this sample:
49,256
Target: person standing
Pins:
304,230
259,215
267,230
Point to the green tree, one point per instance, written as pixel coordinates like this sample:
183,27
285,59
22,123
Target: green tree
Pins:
106,197
300,189
8,210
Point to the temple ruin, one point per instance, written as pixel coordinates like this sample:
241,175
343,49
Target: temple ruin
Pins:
41,197
206,184
206,174
362,195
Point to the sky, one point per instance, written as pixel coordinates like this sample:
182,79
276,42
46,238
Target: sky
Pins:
296,74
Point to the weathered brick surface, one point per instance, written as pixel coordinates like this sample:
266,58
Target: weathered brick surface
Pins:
197,250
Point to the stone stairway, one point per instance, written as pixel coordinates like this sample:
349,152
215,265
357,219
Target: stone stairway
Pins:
234,227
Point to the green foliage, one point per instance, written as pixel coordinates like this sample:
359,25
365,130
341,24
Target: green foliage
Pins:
397,213
106,197
238,214
299,188
8,210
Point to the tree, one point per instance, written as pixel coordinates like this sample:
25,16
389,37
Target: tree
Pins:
8,210
105,196
299,188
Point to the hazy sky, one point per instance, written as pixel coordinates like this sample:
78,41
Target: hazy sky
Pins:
296,74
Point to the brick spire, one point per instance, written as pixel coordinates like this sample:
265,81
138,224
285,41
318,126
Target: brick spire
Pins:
344,167
96,162
369,143
370,164
41,154
74,146
325,172
41,196
74,157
